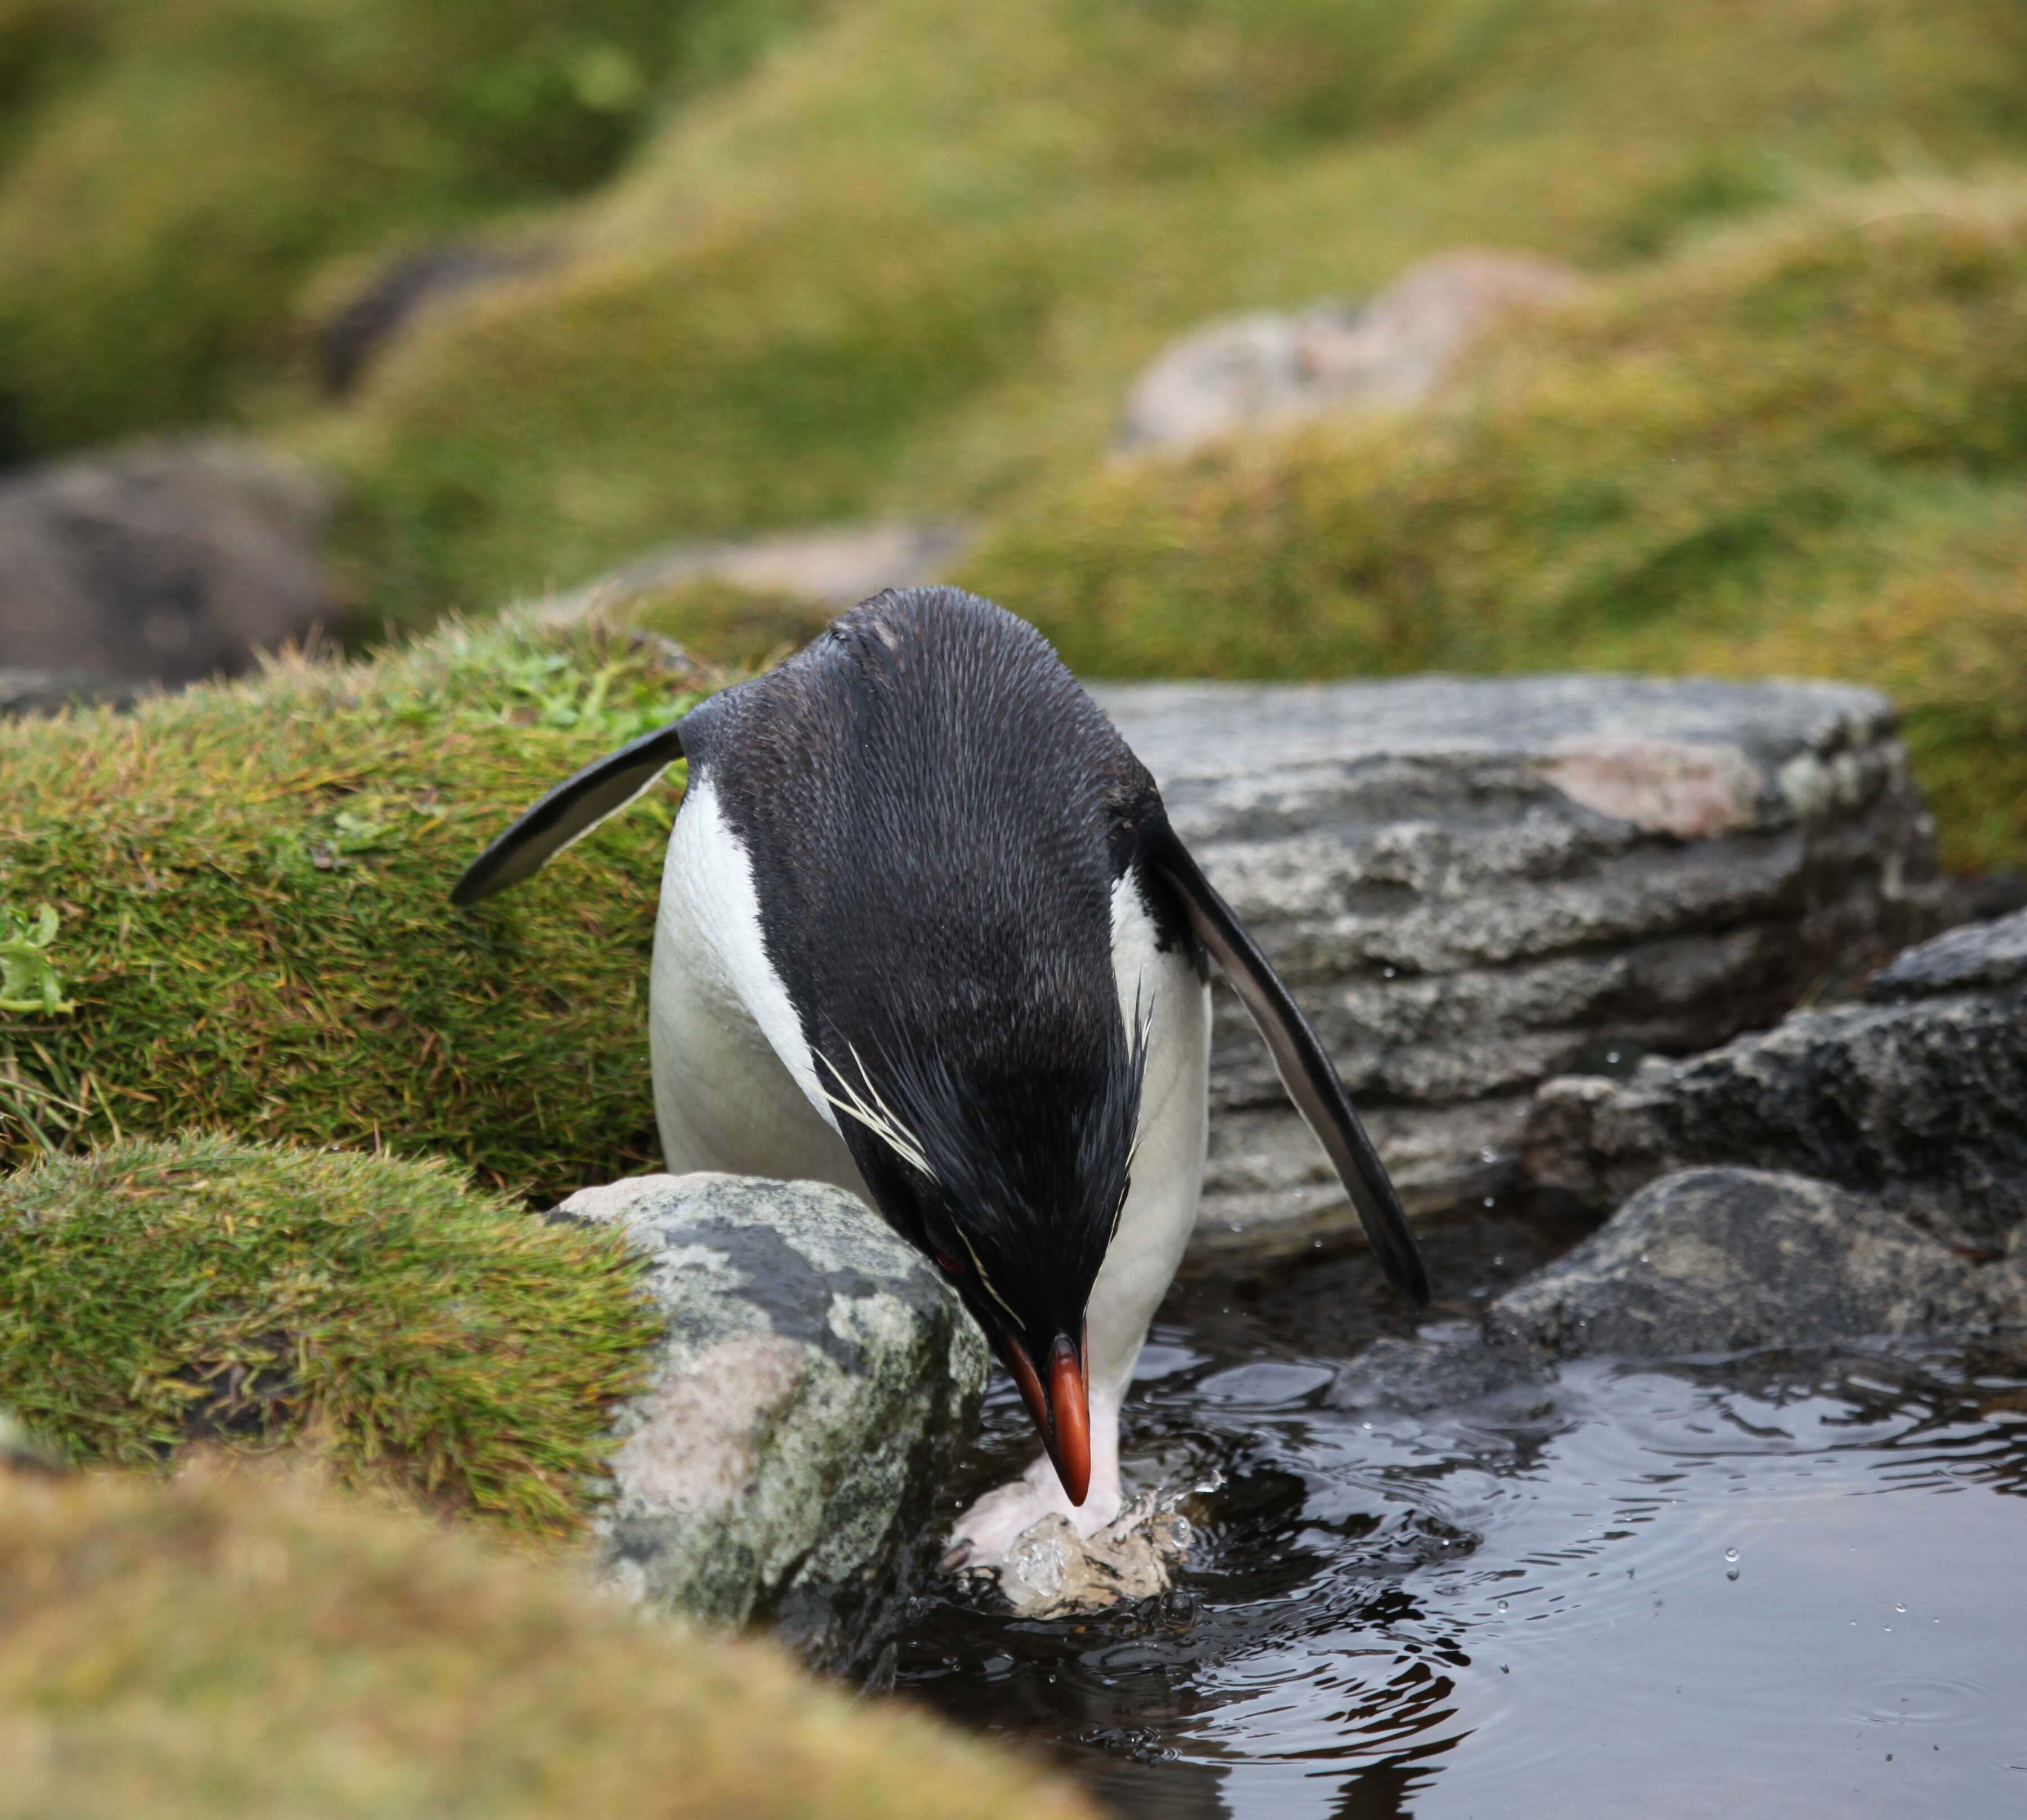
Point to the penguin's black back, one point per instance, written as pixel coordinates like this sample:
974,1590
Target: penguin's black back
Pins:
934,813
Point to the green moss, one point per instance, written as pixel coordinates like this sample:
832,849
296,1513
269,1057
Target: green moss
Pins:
178,168
1781,448
235,1644
440,1339
252,883
913,263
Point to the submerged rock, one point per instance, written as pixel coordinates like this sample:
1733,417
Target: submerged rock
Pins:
1914,1097
1474,885
1703,1261
1051,1571
814,1379
1721,1261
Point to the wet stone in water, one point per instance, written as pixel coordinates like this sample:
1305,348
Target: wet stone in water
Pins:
1052,1572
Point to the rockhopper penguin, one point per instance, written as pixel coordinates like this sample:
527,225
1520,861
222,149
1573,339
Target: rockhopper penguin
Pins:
925,933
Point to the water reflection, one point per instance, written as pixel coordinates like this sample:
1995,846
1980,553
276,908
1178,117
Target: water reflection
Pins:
1788,1585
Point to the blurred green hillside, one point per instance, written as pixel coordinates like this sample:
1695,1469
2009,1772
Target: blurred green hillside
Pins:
1799,447
173,171
913,261
813,262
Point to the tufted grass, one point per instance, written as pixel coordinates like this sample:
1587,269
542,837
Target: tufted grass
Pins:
250,881
1797,447
422,1334
241,1644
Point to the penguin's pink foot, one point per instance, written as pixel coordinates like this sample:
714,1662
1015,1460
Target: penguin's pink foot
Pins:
985,1532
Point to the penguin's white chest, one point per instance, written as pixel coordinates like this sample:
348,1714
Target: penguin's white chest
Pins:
1168,1155
735,1086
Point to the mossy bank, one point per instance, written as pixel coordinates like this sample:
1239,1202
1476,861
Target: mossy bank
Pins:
441,1341
240,1644
911,262
251,883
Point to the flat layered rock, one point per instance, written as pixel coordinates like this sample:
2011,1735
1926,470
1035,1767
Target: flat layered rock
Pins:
1472,886
833,567
815,1376
1915,1096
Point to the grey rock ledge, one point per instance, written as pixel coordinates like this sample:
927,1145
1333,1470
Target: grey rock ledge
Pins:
1472,886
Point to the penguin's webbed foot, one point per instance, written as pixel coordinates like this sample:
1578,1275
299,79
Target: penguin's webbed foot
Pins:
982,1536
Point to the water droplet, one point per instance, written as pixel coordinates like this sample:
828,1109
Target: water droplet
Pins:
1731,1573
1498,1260
1491,1201
1502,1605
1488,1155
1611,1058
1731,1554
1644,1257
1898,1607
1386,972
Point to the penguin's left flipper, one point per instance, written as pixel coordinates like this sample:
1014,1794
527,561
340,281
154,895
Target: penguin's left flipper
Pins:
1305,1069
568,813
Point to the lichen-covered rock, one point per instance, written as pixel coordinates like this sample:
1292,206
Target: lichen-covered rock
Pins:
1472,886
1915,1097
815,1376
19,1451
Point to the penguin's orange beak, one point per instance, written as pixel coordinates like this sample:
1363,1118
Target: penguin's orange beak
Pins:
1060,1408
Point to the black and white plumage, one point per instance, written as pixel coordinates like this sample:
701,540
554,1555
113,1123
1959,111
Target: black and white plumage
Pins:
925,933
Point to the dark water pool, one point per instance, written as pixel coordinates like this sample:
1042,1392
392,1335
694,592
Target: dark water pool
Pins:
1787,1585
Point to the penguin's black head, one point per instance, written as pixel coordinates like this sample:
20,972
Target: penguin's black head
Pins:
1007,1163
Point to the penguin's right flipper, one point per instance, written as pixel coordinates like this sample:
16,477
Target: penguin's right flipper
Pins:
568,813
1304,1065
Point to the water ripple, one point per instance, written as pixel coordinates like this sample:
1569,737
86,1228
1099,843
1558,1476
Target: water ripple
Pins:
1735,1586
